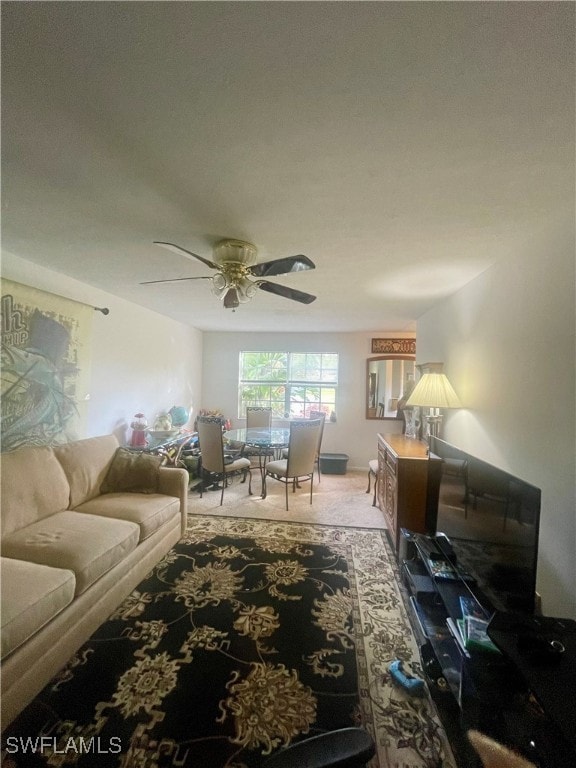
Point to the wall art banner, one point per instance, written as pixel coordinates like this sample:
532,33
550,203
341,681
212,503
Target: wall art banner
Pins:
394,346
45,366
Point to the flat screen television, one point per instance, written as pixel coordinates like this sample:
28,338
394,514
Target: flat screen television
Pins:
491,519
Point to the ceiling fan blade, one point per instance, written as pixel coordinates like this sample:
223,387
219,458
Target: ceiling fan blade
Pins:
288,293
176,280
180,250
282,266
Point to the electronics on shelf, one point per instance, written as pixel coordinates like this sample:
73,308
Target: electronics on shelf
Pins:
512,673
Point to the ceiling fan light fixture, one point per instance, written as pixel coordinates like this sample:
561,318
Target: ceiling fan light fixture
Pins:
235,263
220,285
246,290
236,252
231,299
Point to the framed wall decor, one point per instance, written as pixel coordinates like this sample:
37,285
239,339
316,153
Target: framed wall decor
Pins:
394,346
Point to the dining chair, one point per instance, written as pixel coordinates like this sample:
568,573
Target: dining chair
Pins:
319,415
299,466
313,415
212,454
258,417
373,473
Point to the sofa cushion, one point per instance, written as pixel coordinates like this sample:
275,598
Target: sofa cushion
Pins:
149,511
32,594
86,463
88,545
132,472
34,486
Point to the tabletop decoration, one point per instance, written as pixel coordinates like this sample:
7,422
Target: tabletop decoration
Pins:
139,427
179,415
226,423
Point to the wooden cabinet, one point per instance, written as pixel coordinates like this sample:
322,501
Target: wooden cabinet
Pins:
408,483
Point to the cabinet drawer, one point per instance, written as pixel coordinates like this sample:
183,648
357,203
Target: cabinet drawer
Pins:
391,463
391,503
404,489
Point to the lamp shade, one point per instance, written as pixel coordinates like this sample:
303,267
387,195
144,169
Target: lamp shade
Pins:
434,391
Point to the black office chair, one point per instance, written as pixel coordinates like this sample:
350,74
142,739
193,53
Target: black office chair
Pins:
343,748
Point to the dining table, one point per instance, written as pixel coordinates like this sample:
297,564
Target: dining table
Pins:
262,438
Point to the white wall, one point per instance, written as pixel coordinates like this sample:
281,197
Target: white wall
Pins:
508,343
140,360
352,433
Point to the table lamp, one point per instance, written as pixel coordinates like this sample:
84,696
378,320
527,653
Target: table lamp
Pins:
434,391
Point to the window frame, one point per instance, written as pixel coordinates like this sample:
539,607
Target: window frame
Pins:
278,392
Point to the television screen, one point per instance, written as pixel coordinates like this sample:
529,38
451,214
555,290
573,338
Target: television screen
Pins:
491,519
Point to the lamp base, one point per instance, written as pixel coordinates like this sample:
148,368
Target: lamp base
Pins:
433,425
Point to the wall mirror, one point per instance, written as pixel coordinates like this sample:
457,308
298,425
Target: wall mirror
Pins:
388,379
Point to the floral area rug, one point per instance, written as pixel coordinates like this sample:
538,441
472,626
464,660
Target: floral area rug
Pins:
249,635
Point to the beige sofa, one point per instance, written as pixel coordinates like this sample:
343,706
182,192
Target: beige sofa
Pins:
70,553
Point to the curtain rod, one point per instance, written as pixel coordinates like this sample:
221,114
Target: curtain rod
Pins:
104,310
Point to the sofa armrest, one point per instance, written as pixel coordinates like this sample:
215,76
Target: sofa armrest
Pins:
173,481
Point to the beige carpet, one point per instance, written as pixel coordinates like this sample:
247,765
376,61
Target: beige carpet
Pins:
336,500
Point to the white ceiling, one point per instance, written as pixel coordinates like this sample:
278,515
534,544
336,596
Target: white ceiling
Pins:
402,146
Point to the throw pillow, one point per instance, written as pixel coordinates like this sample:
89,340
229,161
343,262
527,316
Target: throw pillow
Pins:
132,472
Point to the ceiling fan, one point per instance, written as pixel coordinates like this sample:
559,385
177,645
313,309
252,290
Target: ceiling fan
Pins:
235,262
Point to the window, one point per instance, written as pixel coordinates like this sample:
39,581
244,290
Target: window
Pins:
291,383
